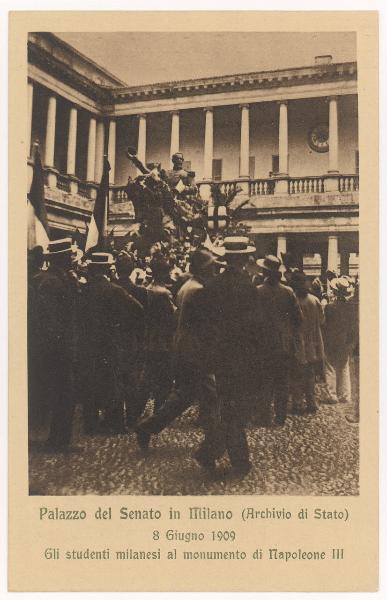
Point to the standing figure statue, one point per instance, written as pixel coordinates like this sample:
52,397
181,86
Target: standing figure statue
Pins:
152,201
161,202
182,182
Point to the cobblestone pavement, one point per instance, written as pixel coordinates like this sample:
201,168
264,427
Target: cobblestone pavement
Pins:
311,455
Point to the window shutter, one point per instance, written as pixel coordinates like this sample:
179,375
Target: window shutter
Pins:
251,167
217,169
275,163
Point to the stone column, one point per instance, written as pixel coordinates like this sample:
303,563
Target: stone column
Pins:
29,115
333,136
99,150
332,252
208,143
245,142
141,144
283,150
175,132
112,151
331,183
50,132
72,141
90,173
281,184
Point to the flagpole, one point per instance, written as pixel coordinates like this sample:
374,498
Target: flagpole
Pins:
106,204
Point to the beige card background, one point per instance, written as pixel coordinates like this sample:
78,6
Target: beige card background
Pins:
29,537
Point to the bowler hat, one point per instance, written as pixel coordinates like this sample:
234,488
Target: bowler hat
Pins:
201,259
298,281
269,263
234,245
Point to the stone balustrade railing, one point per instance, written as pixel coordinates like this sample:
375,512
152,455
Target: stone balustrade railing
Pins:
261,187
306,185
348,183
251,187
118,194
63,182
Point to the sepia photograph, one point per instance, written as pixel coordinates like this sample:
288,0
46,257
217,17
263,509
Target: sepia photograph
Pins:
193,263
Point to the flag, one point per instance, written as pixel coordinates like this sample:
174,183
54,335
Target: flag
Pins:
38,228
97,228
217,217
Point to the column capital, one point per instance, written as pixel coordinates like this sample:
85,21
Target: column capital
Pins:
245,105
283,102
174,112
329,99
208,109
142,115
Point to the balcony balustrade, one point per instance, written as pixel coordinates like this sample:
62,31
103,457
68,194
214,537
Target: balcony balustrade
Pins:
262,192
63,182
261,187
84,189
119,194
349,183
306,185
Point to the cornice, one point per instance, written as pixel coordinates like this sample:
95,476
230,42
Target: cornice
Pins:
239,82
115,95
48,63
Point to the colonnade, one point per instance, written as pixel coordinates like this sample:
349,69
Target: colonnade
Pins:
96,141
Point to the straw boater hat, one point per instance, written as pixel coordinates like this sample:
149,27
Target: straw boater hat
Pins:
270,263
234,245
58,247
341,286
101,258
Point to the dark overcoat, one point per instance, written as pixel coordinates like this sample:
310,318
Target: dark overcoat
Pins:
230,328
280,318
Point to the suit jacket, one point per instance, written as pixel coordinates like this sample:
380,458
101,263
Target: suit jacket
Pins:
113,324
311,341
230,334
54,297
280,317
161,321
188,343
340,324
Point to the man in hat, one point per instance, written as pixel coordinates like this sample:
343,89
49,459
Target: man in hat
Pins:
280,317
125,267
231,340
338,336
194,382
113,323
309,354
56,330
161,323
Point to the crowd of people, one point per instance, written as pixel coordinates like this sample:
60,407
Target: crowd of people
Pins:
245,340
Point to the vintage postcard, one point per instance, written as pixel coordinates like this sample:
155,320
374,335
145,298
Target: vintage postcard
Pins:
193,301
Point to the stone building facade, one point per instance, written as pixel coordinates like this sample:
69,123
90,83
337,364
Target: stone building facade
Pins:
289,138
